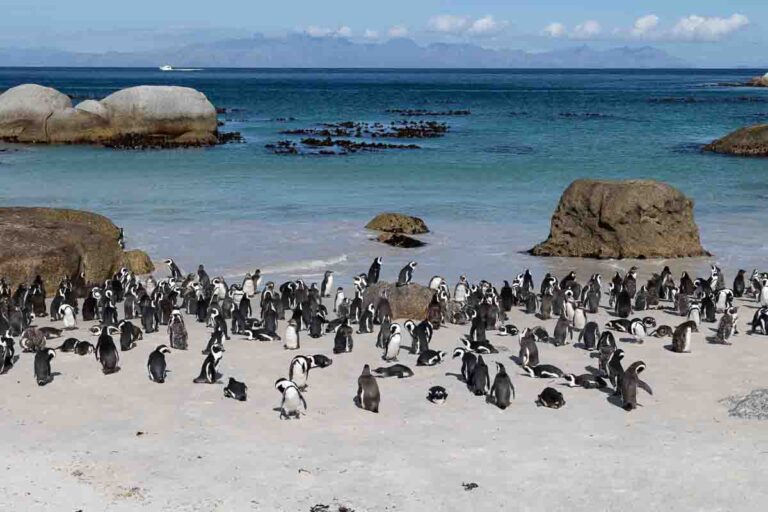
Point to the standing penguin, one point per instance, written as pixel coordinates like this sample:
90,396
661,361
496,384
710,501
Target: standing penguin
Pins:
579,318
67,314
327,284
629,384
339,300
249,289
106,350
406,274
177,331
43,373
502,389
529,352
739,284
298,371
156,367
393,342
681,337
480,382
563,331
368,396
727,327
174,269
374,271
7,353
623,304
208,372
637,329
366,321
616,370
343,341
291,336
290,406
468,362
590,335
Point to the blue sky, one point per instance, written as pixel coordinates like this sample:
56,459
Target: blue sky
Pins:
713,32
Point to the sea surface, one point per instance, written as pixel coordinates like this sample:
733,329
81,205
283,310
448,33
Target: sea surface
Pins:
487,188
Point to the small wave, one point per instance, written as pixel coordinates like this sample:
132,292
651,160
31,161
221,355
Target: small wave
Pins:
302,265
510,149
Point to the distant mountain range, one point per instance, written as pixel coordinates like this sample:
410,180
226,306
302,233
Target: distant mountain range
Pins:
302,51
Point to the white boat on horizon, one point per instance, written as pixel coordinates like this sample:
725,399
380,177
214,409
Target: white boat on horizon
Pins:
167,67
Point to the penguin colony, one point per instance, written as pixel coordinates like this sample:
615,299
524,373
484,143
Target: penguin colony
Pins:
123,309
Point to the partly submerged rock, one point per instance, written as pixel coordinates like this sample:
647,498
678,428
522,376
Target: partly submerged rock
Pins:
750,141
398,223
622,219
398,240
146,116
138,262
55,243
409,301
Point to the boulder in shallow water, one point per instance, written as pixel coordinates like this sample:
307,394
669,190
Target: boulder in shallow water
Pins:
622,219
407,301
24,112
751,141
55,243
398,223
398,240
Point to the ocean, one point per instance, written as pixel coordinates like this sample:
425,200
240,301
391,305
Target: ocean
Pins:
486,189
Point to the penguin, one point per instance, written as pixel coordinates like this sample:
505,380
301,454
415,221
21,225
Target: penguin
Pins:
291,336
327,284
590,335
392,345
343,341
532,305
616,370
43,373
366,320
606,340
368,396
637,329
106,351
374,271
762,297
248,287
156,366
562,332
641,299
760,321
543,371
479,381
529,352
339,300
629,384
298,371
383,311
579,318
126,336
174,269
586,381
551,398
461,290
83,348
724,299
406,274
396,370
479,347
727,327
662,331
708,308
593,301
623,304
437,395
68,345
681,338
502,388
739,284
468,362
208,372
430,358
620,325
630,282
177,331
293,400
236,390
67,313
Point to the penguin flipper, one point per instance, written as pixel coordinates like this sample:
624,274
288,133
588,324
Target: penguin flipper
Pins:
644,386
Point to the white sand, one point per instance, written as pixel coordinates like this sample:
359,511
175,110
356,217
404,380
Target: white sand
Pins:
73,445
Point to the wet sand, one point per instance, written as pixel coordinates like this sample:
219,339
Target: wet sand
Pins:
122,443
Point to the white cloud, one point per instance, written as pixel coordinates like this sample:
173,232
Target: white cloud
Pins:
398,31
645,25
370,34
486,26
587,30
699,28
315,31
555,30
448,24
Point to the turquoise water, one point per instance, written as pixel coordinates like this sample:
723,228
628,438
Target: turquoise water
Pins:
487,189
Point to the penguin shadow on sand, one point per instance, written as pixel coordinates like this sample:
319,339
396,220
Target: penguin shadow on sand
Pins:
459,377
14,360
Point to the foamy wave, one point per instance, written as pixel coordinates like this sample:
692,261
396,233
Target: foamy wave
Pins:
303,265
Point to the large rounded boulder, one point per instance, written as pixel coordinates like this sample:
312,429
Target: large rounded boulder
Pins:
55,243
25,109
751,141
622,219
398,223
409,301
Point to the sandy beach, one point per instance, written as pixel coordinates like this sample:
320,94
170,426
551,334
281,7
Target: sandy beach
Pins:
92,442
